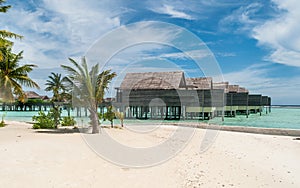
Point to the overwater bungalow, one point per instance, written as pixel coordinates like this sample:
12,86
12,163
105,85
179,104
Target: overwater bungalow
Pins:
236,98
33,102
266,103
255,103
169,95
151,95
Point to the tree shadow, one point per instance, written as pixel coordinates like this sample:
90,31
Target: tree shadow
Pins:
58,131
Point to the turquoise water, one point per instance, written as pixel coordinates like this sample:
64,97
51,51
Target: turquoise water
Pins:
22,116
287,118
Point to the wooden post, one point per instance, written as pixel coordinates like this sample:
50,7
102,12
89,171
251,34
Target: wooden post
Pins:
69,111
167,112
202,104
260,109
231,98
85,112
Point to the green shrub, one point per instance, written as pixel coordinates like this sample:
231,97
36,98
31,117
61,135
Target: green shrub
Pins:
109,115
43,121
36,126
2,123
120,116
68,121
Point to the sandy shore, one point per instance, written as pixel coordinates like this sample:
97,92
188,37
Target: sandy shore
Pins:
63,159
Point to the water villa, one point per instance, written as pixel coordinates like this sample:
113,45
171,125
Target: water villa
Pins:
33,102
169,95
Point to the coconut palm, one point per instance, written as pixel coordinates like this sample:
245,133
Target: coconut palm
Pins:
88,87
4,35
13,76
55,83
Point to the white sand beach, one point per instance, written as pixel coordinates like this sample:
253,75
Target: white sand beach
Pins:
47,159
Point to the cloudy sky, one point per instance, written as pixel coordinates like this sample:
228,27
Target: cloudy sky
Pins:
255,43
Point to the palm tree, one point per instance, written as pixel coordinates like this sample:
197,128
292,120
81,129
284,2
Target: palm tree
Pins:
4,43
13,76
57,86
89,87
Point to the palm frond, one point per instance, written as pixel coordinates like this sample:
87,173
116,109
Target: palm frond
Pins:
8,34
4,8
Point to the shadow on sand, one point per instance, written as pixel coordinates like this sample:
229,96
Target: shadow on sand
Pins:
58,131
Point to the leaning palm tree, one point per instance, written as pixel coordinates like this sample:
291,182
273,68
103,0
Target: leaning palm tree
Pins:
13,76
89,87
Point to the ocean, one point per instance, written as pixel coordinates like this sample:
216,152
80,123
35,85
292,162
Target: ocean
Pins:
287,117
280,117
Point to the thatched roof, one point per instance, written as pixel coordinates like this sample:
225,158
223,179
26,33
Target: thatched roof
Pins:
174,80
233,88
32,95
220,85
243,90
44,97
154,80
237,89
199,83
229,88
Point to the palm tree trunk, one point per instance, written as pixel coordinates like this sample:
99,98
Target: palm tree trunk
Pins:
95,121
56,114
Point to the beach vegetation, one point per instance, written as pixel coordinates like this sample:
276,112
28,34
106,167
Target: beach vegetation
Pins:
43,120
89,86
56,84
120,116
2,123
68,121
109,115
13,77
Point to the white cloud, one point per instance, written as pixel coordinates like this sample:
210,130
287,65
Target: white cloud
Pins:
281,34
55,30
241,19
195,54
170,10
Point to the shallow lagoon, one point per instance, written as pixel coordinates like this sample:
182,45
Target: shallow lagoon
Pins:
280,117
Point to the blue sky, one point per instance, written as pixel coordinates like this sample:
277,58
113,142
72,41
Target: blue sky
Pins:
256,43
